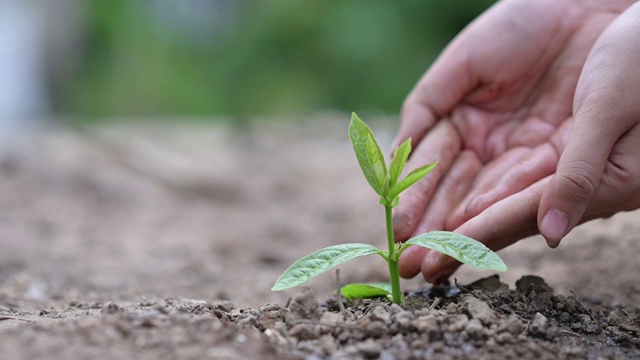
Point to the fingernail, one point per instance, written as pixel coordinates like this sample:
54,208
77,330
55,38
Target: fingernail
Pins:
554,225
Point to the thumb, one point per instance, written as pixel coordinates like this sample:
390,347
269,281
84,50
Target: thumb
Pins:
605,106
577,176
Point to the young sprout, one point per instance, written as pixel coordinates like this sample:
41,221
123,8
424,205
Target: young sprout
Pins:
387,184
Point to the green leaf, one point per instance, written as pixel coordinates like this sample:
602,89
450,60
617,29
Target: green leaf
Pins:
411,179
368,152
364,291
461,248
320,261
398,161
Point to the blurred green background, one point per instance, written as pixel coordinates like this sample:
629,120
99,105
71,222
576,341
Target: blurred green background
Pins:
233,57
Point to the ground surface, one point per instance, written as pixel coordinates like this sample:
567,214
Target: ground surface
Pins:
160,242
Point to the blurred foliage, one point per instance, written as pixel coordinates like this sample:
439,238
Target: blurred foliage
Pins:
258,56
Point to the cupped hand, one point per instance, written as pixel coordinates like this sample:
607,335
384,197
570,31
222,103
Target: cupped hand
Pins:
505,86
598,173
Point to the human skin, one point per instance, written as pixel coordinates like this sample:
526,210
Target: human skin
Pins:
497,109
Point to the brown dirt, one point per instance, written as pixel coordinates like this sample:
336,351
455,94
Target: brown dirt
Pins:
162,241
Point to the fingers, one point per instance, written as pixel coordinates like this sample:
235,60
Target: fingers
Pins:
619,189
437,92
487,178
500,225
587,145
515,217
514,171
411,260
605,107
449,193
441,144
576,179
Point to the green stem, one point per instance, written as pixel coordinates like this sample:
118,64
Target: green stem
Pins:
393,261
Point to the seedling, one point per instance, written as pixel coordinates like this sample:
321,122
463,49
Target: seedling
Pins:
384,182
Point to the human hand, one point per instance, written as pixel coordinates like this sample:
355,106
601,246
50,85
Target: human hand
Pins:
506,83
598,173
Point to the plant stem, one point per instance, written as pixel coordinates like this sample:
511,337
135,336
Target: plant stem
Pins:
394,274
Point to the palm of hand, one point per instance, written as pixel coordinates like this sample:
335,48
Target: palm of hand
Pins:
514,82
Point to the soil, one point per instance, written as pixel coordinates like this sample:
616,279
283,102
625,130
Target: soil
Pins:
158,241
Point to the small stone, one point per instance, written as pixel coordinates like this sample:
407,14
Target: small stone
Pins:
570,305
479,310
626,327
564,317
303,306
148,322
412,303
331,318
491,284
351,351
268,318
404,320
532,283
275,338
576,326
376,329
426,324
512,325
247,320
539,325
584,318
475,330
304,332
380,313
111,308
369,349
311,349
438,346
592,328
504,338
224,305
613,318
541,301
458,323
328,344
572,352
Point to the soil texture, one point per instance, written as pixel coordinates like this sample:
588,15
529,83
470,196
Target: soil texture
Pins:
157,241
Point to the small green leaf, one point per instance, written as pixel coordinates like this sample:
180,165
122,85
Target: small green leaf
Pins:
411,179
395,202
368,152
320,261
364,291
398,161
461,248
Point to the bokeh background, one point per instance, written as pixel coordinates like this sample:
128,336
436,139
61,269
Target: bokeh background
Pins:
95,60
168,165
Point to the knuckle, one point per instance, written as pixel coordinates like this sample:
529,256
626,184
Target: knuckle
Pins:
408,105
578,185
415,102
